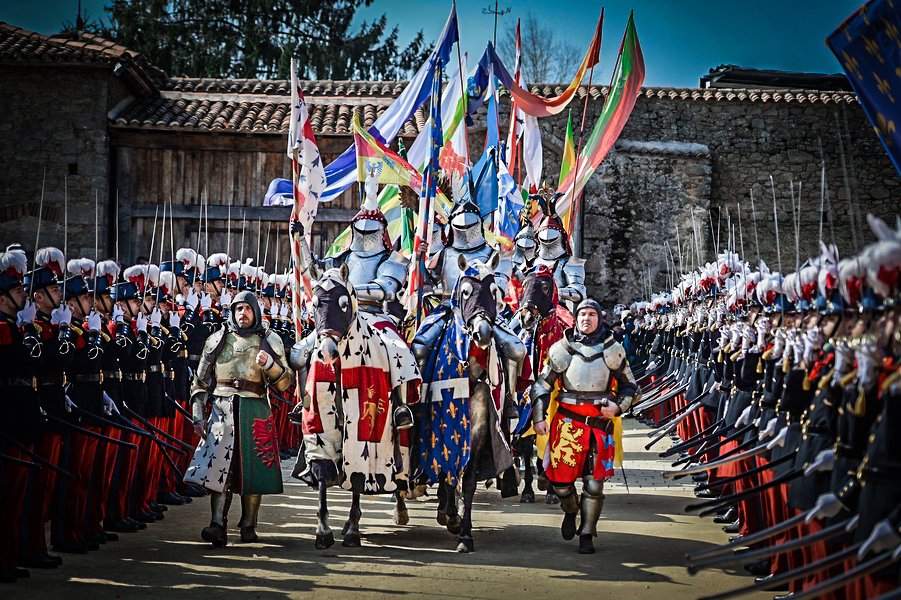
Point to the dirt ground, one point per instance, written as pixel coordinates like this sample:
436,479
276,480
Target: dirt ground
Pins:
644,536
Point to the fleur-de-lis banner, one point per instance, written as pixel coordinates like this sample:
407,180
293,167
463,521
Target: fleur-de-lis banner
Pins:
868,46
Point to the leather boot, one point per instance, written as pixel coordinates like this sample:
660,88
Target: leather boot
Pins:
730,516
569,502
250,510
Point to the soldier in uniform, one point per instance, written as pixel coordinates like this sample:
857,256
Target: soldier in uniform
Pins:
596,385
20,363
238,451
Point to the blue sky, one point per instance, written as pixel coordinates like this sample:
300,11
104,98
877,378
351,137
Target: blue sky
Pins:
681,39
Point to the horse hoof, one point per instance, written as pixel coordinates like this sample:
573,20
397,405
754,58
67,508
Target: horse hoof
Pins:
551,498
466,546
401,517
441,517
454,524
527,497
352,540
324,540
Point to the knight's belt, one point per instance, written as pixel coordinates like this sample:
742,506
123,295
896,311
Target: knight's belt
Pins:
593,422
242,384
596,398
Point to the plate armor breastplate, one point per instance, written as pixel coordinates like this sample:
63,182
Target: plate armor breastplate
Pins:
450,270
364,268
238,360
587,371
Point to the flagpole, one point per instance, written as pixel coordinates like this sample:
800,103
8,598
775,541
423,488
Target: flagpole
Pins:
463,89
575,219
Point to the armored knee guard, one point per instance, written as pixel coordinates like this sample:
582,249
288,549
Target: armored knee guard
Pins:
569,500
591,506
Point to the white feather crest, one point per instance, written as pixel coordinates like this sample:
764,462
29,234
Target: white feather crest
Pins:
81,266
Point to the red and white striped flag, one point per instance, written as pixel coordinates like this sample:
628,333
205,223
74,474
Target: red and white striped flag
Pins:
309,181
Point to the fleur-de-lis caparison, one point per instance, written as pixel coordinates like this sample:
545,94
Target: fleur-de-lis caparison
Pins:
873,48
452,410
852,65
884,129
884,87
891,30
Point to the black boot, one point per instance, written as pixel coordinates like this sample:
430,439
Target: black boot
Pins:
586,546
214,534
568,528
730,516
732,527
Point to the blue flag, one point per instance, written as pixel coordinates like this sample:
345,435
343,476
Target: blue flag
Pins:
868,46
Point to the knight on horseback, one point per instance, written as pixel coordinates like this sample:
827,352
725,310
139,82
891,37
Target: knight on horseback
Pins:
554,250
596,385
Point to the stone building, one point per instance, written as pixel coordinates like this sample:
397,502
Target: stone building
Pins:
124,135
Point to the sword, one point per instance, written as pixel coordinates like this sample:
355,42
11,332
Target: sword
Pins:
722,501
90,433
672,425
156,430
862,570
715,464
754,471
19,461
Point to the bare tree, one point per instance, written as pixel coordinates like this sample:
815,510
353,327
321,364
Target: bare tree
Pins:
546,58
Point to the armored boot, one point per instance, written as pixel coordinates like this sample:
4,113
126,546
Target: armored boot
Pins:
591,506
216,532
250,510
569,502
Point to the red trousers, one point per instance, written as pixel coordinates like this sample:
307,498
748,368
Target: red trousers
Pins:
32,535
67,519
123,476
101,476
147,472
12,482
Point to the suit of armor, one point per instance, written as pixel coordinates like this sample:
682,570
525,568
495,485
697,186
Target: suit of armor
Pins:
229,377
592,371
569,272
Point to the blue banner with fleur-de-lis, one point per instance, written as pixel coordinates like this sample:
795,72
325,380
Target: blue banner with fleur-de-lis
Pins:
868,46
445,418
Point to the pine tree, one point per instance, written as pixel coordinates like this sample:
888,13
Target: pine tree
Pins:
256,39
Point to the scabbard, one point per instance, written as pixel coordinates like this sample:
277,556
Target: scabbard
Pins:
747,557
747,540
35,457
777,580
873,565
690,442
754,471
673,425
715,464
134,429
179,409
19,461
155,429
92,434
715,505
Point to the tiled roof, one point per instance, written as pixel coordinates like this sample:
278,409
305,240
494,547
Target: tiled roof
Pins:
253,114
352,89
20,45
707,95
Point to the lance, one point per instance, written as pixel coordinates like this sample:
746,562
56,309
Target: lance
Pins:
39,461
91,434
37,237
824,534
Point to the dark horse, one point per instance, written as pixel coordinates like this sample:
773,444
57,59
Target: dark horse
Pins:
540,322
343,444
461,350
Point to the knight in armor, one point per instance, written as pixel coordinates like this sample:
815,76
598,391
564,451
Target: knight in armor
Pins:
596,385
377,271
554,251
238,450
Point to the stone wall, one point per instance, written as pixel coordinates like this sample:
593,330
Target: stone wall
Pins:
54,118
629,202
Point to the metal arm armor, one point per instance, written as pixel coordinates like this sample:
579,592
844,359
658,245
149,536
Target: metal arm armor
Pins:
574,278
